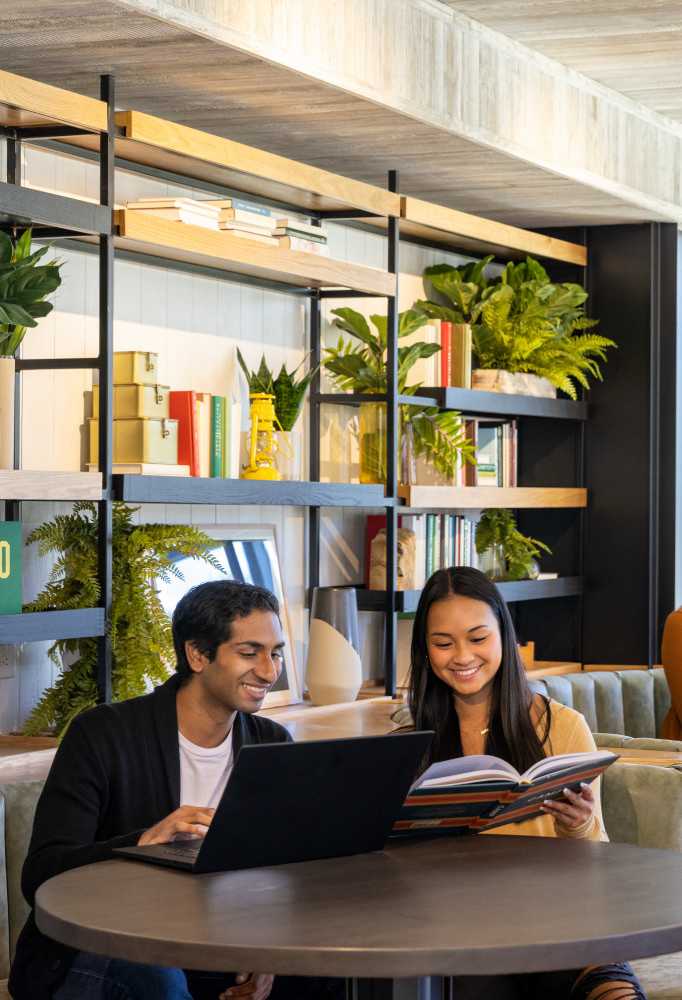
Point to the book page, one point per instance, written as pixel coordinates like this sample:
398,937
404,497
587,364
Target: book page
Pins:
460,770
564,762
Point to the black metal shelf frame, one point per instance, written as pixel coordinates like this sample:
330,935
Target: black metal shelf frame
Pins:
55,215
60,217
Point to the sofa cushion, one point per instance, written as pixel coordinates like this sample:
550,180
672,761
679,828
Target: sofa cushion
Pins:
628,702
19,801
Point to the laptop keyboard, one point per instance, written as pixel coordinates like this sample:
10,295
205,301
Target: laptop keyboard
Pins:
187,852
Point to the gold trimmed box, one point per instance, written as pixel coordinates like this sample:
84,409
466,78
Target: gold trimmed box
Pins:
138,367
136,401
138,440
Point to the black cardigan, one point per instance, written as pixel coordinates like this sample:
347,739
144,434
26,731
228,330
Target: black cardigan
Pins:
115,774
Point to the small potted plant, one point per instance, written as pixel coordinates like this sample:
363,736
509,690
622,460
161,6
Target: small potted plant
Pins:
24,286
141,639
289,396
361,368
529,335
505,553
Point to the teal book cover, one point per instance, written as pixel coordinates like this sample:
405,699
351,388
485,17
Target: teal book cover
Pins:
217,435
10,567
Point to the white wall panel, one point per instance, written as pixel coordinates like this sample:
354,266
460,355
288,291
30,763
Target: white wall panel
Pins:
194,323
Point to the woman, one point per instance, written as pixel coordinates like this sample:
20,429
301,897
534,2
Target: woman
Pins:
468,684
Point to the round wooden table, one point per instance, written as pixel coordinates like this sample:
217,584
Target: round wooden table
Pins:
467,905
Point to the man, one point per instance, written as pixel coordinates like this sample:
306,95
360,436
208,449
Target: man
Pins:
146,771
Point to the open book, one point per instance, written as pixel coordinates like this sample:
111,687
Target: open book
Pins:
477,793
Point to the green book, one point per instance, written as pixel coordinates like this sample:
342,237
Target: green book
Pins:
10,567
217,435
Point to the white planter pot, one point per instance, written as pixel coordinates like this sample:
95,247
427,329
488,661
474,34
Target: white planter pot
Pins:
7,369
516,383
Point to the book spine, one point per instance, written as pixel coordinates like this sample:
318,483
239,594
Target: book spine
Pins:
303,245
217,435
182,407
227,421
429,545
460,368
445,353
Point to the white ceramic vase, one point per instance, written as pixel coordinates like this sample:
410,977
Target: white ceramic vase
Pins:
334,668
7,369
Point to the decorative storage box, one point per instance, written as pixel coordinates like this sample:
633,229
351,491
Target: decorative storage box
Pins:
138,440
136,401
138,367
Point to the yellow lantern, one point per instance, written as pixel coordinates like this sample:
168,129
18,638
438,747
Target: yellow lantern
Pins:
261,438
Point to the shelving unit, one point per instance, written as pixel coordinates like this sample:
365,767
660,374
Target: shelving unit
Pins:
145,141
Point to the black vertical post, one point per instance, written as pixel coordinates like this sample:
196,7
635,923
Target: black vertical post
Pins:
392,453
13,508
654,442
105,367
314,471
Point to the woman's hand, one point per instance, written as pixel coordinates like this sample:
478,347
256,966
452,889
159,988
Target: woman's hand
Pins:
250,984
575,810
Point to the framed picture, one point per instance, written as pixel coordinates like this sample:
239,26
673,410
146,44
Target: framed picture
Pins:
249,554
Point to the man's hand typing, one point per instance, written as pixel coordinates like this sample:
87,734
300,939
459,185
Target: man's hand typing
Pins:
187,821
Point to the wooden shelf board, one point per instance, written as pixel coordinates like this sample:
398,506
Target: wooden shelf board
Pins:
28,484
459,230
189,489
157,237
202,156
42,626
482,497
28,103
478,402
513,590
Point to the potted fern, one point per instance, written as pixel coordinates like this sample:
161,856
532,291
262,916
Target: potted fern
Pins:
289,393
24,286
361,368
529,335
505,553
141,637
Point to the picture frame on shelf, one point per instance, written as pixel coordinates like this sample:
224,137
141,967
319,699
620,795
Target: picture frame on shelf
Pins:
249,554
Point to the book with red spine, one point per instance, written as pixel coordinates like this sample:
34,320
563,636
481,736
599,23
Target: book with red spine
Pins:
445,352
183,408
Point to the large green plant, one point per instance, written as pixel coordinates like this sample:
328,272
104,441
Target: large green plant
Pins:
289,393
141,639
497,529
522,321
24,286
361,368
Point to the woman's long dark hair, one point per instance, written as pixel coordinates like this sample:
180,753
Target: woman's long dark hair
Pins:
512,735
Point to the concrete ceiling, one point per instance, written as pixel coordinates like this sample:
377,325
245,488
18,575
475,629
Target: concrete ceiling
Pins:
168,70
632,46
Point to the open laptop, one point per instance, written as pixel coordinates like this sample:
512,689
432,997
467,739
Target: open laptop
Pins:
287,802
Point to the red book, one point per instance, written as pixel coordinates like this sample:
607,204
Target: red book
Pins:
445,352
183,408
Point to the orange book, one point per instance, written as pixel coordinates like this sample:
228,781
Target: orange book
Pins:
183,408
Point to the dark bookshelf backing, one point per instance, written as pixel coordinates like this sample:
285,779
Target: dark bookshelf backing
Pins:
41,626
189,489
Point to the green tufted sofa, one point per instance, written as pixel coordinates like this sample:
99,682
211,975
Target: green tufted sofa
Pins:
622,708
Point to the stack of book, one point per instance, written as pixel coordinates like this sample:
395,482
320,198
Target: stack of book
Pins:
239,218
209,429
496,452
442,540
451,366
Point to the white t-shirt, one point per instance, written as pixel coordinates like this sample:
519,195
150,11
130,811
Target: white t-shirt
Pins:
204,771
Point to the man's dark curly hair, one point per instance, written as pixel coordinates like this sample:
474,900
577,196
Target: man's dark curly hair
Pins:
205,614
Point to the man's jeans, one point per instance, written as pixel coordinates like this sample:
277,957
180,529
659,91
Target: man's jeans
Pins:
95,977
